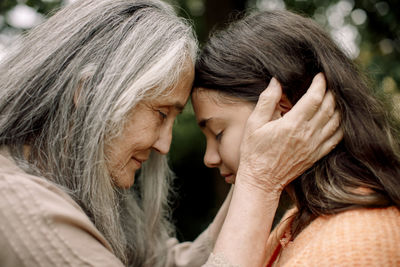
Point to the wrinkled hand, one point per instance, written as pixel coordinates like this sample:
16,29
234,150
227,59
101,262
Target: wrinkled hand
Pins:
273,153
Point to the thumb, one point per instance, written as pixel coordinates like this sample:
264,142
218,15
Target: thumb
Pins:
267,103
310,102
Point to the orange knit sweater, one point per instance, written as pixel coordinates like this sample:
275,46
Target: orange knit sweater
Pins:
362,237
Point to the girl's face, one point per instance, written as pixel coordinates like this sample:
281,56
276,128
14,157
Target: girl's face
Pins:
222,119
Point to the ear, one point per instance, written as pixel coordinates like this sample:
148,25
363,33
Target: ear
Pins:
282,107
284,104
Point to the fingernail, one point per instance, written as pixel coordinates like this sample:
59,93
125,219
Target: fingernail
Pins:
273,82
319,76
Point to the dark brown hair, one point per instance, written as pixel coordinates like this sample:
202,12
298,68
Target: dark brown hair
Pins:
240,61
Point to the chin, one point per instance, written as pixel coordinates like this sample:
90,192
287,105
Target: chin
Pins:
124,182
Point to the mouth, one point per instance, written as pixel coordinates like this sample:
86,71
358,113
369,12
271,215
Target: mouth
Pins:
138,161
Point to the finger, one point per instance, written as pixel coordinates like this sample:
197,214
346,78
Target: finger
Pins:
325,111
267,103
310,102
330,143
330,127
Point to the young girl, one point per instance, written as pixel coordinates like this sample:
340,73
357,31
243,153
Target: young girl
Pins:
347,204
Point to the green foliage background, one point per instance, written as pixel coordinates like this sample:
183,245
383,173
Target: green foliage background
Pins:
200,191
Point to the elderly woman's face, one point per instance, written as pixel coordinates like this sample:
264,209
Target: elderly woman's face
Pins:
149,127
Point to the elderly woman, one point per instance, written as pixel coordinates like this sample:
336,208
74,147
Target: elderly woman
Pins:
87,99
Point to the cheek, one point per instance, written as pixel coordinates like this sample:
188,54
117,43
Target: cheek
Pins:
118,153
143,135
234,141
230,151
133,139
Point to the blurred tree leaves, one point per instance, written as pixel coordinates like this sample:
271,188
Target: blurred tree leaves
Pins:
43,7
379,39
6,5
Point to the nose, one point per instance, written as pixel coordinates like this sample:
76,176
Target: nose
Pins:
212,158
163,142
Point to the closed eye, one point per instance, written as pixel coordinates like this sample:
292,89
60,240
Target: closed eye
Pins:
218,136
163,116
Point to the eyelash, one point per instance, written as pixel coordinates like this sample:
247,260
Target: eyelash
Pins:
162,115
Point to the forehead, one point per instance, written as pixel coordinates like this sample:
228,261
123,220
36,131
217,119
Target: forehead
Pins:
179,93
203,96
207,103
212,97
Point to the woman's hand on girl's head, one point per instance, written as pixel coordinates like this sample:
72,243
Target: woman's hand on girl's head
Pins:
273,153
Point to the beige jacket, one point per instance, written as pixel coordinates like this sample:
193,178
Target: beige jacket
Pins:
41,225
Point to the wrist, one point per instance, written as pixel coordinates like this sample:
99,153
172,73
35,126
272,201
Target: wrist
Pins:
247,224
258,183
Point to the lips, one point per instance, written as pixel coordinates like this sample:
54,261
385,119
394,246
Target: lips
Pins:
139,161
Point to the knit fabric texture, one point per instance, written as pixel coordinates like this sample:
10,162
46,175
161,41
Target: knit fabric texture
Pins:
361,237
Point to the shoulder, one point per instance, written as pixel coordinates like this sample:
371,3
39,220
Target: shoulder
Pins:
361,220
362,226
33,194
41,225
359,237
27,189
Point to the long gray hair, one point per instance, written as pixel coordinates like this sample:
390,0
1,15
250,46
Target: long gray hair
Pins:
65,91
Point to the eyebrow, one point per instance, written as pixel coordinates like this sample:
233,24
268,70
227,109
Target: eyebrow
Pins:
176,105
179,106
